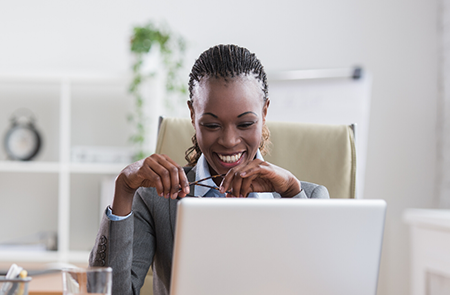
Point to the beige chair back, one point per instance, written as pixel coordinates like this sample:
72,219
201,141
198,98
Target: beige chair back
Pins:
322,154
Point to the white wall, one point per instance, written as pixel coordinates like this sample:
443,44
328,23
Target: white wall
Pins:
444,106
396,40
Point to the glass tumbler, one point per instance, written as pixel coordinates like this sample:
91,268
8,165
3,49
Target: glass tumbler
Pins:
93,280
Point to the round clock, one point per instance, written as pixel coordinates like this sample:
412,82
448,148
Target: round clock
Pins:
22,140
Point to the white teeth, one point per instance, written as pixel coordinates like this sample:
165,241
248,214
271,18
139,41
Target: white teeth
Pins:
230,159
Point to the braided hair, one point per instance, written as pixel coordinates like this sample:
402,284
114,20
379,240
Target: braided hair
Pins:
226,62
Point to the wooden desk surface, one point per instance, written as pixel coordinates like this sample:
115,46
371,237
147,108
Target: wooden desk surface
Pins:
50,284
45,284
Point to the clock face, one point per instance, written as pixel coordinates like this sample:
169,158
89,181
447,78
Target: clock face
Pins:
22,142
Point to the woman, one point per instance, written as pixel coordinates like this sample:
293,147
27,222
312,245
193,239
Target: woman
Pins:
228,106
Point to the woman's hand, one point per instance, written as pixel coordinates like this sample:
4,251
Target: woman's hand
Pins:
260,176
158,171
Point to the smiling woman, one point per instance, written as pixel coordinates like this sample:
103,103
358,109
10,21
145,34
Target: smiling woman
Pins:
228,106
228,117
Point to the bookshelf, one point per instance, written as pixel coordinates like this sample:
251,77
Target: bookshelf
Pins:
52,193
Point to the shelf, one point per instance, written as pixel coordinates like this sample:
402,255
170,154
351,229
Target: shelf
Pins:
78,256
40,167
55,167
96,168
44,256
40,256
61,189
58,77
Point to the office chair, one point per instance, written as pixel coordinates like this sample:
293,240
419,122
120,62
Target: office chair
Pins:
322,154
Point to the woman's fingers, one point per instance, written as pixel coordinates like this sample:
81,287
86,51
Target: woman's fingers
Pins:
246,187
182,180
241,187
158,171
162,175
236,185
257,176
165,175
233,180
274,179
226,181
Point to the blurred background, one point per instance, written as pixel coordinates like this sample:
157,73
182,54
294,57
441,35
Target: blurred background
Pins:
404,45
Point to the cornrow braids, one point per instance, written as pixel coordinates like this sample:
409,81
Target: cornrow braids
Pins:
226,62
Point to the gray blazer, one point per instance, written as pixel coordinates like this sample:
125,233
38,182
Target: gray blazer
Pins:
146,238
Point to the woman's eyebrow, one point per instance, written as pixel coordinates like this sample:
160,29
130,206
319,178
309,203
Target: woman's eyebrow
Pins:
211,114
246,113
243,114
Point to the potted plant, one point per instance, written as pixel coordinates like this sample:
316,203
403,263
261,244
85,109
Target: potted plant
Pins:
147,40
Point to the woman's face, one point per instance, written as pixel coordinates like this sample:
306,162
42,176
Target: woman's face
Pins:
228,116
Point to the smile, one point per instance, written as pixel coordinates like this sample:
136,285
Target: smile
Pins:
230,159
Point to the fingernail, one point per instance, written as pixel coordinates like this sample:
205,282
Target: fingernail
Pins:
243,173
167,196
174,196
241,196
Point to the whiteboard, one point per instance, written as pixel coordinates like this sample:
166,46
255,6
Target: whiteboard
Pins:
341,100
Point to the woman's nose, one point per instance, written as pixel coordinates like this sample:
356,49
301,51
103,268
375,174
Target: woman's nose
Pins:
229,138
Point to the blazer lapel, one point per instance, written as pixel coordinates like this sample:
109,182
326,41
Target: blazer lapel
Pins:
190,174
191,178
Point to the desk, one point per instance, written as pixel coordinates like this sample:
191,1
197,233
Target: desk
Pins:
430,255
46,284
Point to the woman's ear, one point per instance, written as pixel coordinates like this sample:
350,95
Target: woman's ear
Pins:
191,109
265,107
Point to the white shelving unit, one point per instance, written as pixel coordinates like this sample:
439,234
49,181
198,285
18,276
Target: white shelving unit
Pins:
60,167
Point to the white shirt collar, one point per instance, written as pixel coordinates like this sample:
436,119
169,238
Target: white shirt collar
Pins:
202,171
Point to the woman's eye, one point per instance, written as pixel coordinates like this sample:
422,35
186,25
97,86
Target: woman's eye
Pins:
211,126
246,124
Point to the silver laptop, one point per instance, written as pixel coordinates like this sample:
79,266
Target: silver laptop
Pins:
281,246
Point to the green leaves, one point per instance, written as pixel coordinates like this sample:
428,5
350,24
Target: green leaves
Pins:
144,37
172,49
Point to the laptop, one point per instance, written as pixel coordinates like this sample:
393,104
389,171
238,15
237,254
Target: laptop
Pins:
277,246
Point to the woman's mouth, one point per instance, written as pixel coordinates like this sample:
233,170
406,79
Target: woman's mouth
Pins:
230,159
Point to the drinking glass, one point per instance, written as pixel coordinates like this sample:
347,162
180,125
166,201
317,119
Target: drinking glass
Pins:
93,280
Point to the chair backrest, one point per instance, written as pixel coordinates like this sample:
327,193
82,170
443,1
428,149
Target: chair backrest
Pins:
322,154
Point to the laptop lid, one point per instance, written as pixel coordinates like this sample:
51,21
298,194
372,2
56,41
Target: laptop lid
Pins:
278,246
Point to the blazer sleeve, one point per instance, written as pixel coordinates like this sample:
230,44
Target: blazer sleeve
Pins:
320,192
127,246
314,191
309,191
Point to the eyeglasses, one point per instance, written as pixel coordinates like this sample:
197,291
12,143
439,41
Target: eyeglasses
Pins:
205,185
